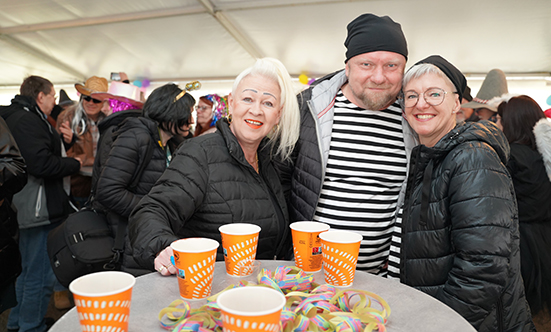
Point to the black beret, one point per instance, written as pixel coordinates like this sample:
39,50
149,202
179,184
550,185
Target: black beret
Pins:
371,33
457,78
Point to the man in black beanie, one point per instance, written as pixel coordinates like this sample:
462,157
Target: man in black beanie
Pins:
350,160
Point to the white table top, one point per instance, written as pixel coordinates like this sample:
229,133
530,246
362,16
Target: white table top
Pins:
411,310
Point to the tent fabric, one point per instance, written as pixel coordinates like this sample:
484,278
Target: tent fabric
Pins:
178,40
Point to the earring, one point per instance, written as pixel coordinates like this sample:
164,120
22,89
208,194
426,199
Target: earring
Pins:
230,119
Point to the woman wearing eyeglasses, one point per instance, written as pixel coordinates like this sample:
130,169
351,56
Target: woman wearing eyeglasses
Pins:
458,237
138,140
78,124
209,110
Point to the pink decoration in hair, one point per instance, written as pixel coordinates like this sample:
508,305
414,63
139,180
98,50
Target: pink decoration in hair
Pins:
118,106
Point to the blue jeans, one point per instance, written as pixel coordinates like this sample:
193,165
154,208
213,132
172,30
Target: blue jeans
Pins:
35,285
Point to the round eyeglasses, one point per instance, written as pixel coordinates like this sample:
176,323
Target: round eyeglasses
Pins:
433,97
202,108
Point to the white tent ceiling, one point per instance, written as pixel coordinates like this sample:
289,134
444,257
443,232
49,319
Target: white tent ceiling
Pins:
67,41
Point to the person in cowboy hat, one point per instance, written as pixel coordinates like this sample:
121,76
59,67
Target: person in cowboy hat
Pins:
79,125
494,85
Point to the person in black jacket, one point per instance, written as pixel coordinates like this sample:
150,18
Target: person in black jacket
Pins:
529,134
13,177
226,176
167,112
459,233
43,202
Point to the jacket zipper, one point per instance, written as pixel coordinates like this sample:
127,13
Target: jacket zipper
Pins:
316,125
267,189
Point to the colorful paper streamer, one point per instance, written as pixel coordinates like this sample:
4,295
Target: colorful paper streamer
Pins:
309,307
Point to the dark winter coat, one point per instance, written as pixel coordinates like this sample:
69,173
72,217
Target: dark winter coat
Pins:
40,146
460,238
209,183
107,128
113,195
533,192
13,177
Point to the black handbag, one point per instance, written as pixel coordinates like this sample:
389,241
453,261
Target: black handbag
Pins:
84,242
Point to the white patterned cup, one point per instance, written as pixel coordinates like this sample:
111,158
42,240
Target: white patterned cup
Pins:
194,259
250,309
239,242
340,255
103,300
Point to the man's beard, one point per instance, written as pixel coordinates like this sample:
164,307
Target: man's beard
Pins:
375,101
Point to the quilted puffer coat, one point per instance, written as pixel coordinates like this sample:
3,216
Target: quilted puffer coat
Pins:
113,192
209,183
460,238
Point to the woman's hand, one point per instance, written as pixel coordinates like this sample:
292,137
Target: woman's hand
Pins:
66,132
163,262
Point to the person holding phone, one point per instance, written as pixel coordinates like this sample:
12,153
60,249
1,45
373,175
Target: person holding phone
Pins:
79,126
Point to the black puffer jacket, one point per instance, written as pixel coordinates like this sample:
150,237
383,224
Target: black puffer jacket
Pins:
460,238
127,152
107,128
209,183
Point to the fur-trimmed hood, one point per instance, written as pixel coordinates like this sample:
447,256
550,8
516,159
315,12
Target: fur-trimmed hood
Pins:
542,131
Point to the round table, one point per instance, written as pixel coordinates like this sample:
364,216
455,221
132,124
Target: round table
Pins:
411,310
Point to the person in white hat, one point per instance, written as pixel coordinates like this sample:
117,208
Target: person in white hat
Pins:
120,102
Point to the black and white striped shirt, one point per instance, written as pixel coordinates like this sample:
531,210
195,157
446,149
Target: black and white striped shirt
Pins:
395,245
364,173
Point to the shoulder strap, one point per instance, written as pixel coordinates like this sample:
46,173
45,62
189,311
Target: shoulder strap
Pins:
122,222
118,245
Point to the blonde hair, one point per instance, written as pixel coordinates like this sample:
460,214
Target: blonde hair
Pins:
287,132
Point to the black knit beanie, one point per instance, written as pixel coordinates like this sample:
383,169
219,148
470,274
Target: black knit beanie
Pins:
371,33
457,78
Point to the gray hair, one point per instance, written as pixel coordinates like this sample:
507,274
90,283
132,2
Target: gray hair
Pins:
79,125
287,132
421,70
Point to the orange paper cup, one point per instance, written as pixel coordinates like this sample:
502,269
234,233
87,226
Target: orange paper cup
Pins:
103,300
340,255
307,244
252,308
239,241
195,258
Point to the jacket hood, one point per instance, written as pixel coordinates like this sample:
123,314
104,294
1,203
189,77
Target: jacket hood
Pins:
24,102
117,118
482,131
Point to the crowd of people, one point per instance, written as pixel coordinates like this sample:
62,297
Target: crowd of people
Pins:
450,193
